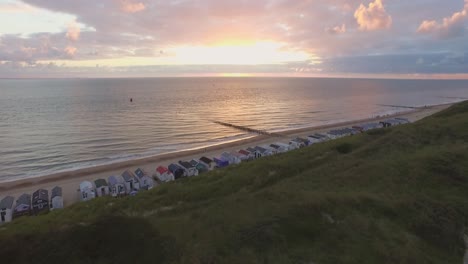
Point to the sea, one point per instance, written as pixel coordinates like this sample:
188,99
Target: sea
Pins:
56,125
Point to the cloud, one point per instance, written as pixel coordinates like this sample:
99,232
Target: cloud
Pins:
73,31
373,17
40,46
315,27
70,51
130,7
16,8
450,27
336,30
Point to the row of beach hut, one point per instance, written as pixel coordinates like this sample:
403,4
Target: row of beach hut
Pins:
130,183
30,205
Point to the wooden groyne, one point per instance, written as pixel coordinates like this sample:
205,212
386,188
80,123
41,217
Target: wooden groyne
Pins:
401,106
248,129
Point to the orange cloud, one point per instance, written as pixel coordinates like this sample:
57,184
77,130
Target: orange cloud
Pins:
73,31
131,7
450,26
373,17
70,50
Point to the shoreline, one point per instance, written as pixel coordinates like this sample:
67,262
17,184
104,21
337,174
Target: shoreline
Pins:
69,180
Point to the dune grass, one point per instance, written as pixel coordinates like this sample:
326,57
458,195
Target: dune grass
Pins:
395,195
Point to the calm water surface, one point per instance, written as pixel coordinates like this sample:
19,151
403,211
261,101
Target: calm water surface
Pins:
48,126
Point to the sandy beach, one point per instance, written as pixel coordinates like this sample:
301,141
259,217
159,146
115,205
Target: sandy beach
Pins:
69,181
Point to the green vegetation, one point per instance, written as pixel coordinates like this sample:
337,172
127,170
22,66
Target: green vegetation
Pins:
397,195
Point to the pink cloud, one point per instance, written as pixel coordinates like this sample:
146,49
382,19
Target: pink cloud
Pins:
373,17
336,30
451,26
313,26
73,31
130,7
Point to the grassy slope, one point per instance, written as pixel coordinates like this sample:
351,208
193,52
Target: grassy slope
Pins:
394,195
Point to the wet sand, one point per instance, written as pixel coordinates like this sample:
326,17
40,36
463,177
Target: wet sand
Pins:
70,181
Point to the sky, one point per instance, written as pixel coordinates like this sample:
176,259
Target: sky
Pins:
152,38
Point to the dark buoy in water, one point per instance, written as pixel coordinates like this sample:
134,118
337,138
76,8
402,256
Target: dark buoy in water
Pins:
131,100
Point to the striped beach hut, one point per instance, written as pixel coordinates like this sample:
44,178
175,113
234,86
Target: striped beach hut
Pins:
256,154
132,185
6,209
263,151
146,182
40,201
23,206
116,186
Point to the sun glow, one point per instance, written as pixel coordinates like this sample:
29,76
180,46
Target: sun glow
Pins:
235,74
259,53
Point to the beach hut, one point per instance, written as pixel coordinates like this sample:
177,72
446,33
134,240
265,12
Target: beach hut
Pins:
40,201
280,148
209,163
201,168
360,128
351,131
275,147
374,126
23,206
189,169
263,151
313,139
56,198
250,156
391,122
163,174
255,152
87,191
336,133
146,182
132,185
399,121
403,120
271,149
102,188
220,162
294,144
284,146
305,142
6,209
176,170
116,186
322,137
240,156
385,124
230,158
367,126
